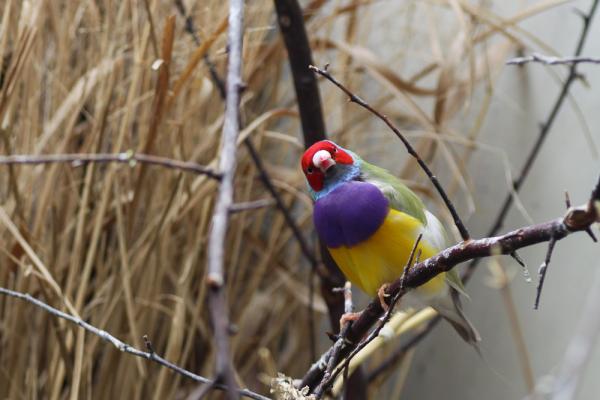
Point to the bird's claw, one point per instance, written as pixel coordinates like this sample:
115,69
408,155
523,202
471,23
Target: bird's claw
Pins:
381,294
347,317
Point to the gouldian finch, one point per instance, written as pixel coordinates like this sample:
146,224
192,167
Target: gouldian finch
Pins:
369,221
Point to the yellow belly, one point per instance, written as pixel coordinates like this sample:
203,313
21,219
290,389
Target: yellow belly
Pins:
381,258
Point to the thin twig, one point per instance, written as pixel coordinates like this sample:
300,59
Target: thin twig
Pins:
191,30
122,346
268,183
216,242
548,60
464,233
129,157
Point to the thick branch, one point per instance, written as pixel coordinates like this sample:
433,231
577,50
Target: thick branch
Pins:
218,232
122,346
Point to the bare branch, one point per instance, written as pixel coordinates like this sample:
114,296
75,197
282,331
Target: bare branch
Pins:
464,233
128,157
218,231
548,60
122,346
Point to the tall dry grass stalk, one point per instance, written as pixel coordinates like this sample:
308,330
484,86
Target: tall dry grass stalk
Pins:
124,246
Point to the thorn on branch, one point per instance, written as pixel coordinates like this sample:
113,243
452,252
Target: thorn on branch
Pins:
542,272
567,200
148,345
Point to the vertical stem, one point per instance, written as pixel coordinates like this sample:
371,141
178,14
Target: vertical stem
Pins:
216,242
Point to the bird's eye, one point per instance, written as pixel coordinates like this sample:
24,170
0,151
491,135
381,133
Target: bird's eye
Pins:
335,149
309,170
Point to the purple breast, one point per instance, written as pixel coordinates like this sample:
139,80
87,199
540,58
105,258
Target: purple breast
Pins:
350,214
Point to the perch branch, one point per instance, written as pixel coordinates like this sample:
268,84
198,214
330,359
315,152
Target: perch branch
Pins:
576,219
122,346
216,241
548,60
464,233
129,157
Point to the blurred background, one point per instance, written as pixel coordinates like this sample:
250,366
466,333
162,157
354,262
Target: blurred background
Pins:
125,244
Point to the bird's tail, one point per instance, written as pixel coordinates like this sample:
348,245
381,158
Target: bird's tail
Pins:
450,308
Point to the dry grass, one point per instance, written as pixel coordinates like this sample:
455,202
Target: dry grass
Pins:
124,247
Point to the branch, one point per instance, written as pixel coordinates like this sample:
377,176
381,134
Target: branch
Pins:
576,219
122,346
216,251
129,157
464,233
548,60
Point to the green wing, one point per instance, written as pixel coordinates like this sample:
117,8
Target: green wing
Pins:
401,198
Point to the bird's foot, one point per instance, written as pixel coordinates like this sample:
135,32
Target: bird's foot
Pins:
347,317
382,295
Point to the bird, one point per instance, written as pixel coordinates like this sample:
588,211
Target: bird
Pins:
369,221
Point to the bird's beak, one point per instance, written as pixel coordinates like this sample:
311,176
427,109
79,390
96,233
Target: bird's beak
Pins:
322,160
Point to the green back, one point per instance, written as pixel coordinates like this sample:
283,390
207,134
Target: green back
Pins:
401,198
